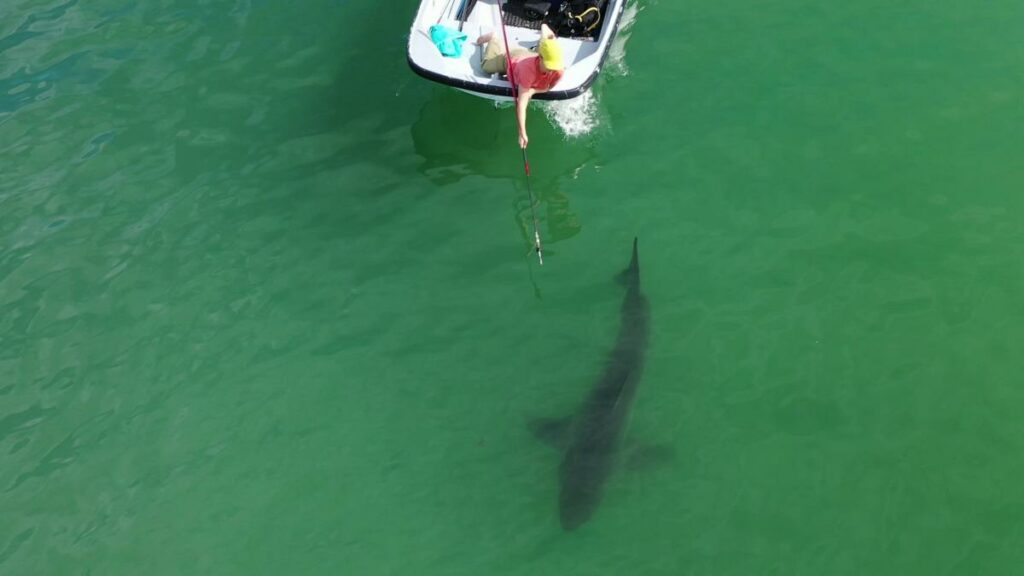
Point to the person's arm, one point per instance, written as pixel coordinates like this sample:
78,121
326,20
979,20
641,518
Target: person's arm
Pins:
521,106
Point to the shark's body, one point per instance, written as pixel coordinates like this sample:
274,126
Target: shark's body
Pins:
593,436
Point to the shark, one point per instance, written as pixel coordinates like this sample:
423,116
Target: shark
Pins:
592,438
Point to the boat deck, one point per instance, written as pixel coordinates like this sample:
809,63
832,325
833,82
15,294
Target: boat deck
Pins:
513,18
583,56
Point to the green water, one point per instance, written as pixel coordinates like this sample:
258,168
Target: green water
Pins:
266,305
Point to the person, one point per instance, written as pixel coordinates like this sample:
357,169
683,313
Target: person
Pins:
533,72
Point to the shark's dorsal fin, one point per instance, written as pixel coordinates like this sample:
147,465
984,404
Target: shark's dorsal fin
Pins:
554,432
632,272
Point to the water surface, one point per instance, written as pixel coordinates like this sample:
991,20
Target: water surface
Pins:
267,307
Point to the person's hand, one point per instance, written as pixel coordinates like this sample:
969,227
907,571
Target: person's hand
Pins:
523,140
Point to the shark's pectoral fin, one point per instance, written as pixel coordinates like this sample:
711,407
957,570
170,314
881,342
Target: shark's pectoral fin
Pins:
622,278
554,432
647,456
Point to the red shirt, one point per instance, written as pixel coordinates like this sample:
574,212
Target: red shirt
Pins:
528,74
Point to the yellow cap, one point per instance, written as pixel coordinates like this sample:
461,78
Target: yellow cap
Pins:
551,54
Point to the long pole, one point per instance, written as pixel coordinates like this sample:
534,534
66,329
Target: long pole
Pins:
447,8
526,161
533,211
461,14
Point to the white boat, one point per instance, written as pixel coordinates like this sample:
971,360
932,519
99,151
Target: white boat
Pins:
583,57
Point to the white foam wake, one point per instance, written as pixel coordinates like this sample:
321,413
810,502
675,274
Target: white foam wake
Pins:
616,62
582,115
576,117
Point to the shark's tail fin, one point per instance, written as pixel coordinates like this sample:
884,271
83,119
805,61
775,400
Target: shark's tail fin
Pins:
631,274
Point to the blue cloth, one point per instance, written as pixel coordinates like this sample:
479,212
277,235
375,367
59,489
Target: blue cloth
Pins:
447,40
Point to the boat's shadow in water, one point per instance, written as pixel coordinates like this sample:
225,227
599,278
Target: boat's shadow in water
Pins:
458,135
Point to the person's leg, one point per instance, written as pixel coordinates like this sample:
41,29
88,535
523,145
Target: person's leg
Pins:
494,56
520,52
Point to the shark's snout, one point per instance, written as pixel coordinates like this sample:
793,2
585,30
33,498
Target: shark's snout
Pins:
576,507
572,517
